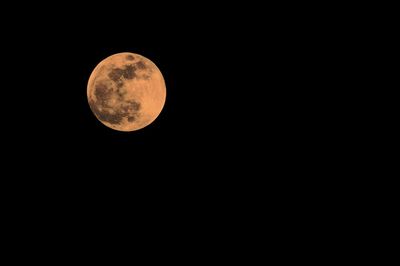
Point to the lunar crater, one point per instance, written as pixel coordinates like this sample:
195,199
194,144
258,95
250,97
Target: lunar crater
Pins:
141,65
130,57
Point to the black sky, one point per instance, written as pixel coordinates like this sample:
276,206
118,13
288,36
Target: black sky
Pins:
239,92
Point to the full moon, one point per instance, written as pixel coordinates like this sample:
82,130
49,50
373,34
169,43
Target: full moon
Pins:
126,91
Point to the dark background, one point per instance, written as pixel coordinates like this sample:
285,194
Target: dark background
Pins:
214,67
255,150
244,100
252,140
243,88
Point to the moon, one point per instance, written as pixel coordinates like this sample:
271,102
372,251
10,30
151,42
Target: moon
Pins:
126,92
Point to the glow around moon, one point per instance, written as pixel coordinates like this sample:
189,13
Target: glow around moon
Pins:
126,92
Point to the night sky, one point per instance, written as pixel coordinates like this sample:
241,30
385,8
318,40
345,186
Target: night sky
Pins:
255,140
241,89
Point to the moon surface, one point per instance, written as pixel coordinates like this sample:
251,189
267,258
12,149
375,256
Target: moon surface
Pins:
126,91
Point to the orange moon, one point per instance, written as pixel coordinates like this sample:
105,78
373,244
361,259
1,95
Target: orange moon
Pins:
126,92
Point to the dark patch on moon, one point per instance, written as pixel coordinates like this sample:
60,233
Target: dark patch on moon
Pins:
104,115
115,74
146,77
134,105
129,72
110,118
130,57
130,106
102,93
141,65
102,109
